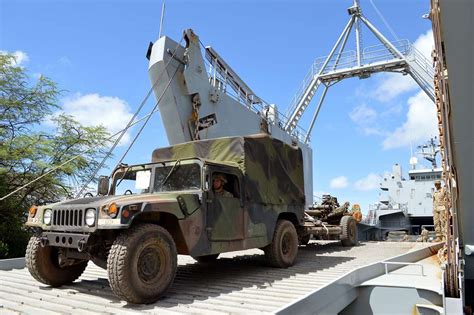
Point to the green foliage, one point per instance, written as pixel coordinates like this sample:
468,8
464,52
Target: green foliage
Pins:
33,140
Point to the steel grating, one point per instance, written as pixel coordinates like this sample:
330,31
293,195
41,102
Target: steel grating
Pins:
238,282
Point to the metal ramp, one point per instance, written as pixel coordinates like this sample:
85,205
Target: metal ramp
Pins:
230,286
399,56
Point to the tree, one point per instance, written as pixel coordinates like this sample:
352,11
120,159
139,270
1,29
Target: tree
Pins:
32,141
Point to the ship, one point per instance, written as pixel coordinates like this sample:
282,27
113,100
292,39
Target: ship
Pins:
405,203
367,279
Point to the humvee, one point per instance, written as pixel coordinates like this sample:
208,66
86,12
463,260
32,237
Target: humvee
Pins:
136,226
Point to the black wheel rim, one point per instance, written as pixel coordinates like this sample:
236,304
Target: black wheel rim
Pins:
149,264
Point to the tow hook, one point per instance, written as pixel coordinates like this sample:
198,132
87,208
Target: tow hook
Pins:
81,245
44,241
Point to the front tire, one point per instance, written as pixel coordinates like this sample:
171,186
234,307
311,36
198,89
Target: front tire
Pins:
142,263
282,251
43,264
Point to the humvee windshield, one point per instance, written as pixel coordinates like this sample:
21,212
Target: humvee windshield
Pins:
177,177
132,180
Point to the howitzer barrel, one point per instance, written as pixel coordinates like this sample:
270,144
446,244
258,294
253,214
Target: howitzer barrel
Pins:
324,230
314,213
322,207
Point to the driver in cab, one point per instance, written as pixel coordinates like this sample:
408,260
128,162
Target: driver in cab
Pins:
218,182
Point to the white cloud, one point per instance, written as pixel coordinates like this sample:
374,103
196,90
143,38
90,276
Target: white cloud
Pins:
425,43
420,124
365,118
339,182
20,57
370,182
92,110
393,84
363,113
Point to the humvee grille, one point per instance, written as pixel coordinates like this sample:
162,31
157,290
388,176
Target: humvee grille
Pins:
68,217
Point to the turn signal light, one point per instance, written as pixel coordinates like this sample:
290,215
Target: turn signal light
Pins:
32,211
112,211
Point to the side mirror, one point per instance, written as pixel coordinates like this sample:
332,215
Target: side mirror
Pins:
103,186
205,171
206,183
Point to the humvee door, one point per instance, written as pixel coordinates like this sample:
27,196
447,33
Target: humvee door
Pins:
225,215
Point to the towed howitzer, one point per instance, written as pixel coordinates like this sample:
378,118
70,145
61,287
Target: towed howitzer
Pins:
329,210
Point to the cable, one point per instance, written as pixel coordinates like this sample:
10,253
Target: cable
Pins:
324,226
384,21
117,141
147,117
74,157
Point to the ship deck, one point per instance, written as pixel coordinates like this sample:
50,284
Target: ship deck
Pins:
238,282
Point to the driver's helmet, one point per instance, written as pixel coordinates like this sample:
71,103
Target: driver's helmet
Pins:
220,176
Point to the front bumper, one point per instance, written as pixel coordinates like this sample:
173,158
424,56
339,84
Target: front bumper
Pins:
67,240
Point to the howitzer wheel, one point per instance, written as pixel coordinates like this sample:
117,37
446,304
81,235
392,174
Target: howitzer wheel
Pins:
44,265
349,231
142,263
284,247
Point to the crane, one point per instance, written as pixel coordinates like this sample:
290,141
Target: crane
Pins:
398,56
208,99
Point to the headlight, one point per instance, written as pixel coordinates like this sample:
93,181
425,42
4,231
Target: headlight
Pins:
90,217
48,214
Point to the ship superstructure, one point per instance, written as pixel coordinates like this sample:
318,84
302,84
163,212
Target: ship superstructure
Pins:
405,203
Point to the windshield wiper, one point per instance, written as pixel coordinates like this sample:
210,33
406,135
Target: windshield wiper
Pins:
123,176
171,172
125,173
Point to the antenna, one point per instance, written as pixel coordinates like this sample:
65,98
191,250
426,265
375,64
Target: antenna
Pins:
429,151
413,159
161,19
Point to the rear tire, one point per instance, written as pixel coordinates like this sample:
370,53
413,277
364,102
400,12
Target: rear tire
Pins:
142,263
43,265
349,231
206,259
282,251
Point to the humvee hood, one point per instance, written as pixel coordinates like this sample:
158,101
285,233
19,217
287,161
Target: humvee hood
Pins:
94,202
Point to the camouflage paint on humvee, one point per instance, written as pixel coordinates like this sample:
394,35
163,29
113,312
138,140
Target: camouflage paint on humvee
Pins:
270,184
267,184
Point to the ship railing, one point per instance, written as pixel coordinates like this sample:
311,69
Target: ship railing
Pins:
347,60
371,217
219,80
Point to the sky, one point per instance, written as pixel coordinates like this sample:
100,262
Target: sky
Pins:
95,51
